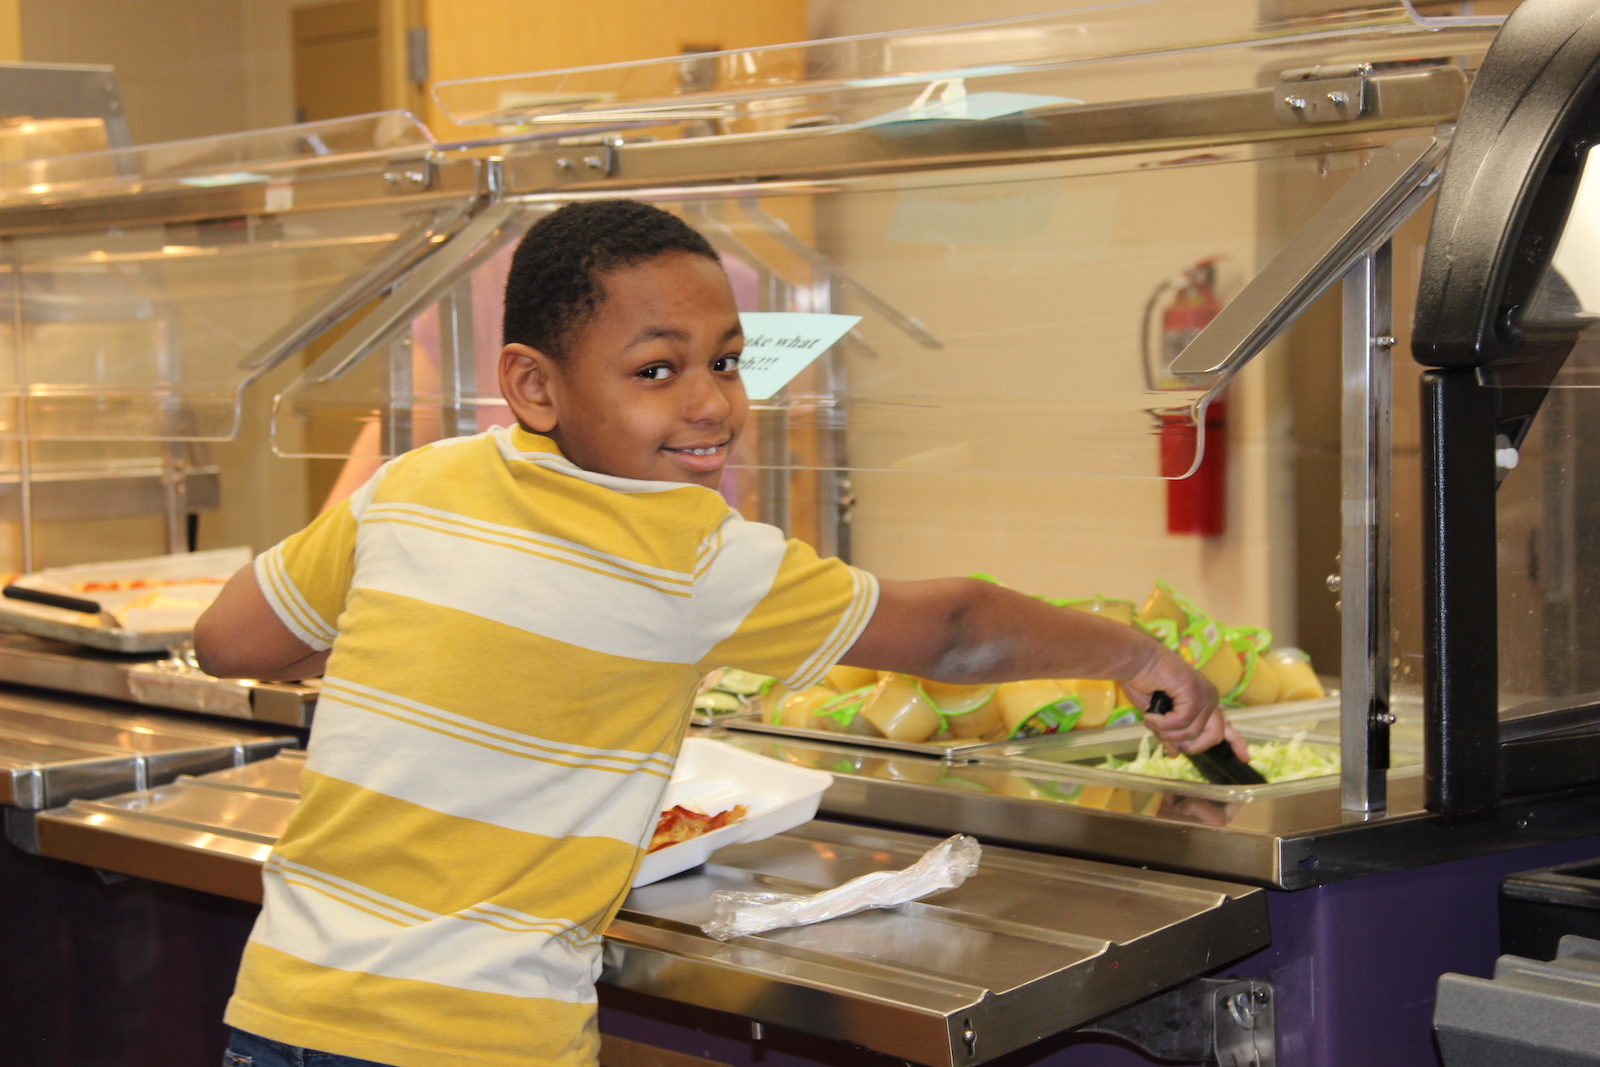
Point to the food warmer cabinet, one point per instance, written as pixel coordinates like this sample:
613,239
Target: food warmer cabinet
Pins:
994,202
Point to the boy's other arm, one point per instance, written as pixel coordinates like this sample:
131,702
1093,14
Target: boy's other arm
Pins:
240,636
963,630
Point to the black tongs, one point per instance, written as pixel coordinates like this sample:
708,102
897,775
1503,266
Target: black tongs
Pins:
1218,764
70,603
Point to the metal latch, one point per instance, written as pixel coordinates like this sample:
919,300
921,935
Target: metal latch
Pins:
1222,1022
412,176
1322,94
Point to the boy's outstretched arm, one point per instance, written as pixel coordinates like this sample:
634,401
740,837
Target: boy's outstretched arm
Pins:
966,630
240,636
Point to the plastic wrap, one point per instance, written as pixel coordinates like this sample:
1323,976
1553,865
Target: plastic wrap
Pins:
737,913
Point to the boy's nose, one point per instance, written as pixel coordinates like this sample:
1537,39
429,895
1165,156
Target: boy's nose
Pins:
706,401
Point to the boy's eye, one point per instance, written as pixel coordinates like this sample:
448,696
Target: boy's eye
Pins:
726,363
660,372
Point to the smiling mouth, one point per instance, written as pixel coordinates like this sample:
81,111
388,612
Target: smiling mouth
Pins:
707,450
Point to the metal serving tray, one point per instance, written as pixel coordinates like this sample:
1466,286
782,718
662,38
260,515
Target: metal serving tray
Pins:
1077,755
1030,946
941,749
1322,710
62,625
1081,758
54,750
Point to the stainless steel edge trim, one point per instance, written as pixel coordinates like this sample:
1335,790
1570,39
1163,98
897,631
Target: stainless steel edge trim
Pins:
212,864
478,239
1362,213
379,271
1059,828
283,704
334,185
1416,98
660,963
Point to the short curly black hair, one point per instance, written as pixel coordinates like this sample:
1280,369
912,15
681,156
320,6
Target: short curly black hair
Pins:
555,280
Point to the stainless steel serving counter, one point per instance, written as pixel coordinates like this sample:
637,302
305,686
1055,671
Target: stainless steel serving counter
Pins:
54,749
1030,946
1288,836
151,681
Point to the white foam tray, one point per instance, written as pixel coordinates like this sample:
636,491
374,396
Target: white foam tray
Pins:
711,777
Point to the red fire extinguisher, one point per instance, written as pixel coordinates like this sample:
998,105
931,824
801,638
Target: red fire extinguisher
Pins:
1197,504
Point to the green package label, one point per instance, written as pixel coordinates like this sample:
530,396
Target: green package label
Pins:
843,709
1163,630
1185,605
1054,718
1246,649
1255,636
1055,790
1125,716
1200,641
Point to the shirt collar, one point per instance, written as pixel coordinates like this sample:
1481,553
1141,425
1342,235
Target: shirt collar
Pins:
537,448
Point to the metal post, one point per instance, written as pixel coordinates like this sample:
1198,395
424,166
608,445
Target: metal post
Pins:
835,499
19,351
1364,714
458,362
175,495
397,415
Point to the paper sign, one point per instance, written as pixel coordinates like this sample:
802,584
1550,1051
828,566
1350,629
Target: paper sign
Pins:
974,108
280,195
780,344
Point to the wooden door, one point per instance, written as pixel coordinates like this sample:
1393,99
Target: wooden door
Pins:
337,60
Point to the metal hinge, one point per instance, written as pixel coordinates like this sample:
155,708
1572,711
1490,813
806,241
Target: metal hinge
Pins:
417,55
1309,95
600,160
1222,1022
413,176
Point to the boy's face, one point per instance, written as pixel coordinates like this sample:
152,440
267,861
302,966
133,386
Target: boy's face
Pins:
649,387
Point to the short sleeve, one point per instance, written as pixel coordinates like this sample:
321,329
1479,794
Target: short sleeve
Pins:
775,607
307,576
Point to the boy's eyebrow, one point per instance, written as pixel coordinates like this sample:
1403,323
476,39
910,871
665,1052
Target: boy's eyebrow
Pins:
667,333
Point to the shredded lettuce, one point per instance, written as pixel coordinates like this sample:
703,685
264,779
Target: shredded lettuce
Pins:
1278,761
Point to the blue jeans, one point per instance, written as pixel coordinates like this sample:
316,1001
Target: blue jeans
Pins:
248,1050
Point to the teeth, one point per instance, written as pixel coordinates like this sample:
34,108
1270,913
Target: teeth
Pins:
703,451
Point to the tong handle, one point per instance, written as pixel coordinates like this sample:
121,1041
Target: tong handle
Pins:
1219,764
52,600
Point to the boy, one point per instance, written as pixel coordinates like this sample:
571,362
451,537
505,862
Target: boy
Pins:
513,625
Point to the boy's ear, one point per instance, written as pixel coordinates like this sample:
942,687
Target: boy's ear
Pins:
525,382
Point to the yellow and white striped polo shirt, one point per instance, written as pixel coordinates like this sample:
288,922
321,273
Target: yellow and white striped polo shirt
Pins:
516,643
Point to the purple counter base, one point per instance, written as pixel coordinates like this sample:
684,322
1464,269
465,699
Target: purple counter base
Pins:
1355,965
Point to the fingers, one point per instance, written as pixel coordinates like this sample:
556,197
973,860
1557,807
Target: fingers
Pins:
1193,725
1240,749
1212,732
1199,734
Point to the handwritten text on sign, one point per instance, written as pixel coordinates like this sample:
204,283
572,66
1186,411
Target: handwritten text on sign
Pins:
780,344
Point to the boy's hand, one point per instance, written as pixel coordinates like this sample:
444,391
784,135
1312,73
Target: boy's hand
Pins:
1195,723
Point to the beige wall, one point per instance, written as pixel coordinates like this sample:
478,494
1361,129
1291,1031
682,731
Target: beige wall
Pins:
187,68
269,81
181,63
841,18
472,38
1078,536
1053,319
